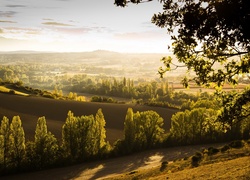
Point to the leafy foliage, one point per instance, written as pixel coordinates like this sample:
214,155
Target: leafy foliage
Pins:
212,39
84,137
17,142
5,135
195,126
141,130
45,144
235,106
208,33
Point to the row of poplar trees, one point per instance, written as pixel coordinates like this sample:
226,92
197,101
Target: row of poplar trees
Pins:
83,138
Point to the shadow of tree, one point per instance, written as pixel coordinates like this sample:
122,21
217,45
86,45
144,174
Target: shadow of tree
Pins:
114,166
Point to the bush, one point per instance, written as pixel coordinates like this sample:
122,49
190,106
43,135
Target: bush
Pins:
163,165
224,148
47,95
236,144
195,160
212,151
11,91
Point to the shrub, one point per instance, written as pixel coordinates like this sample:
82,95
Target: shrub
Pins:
163,165
236,144
224,148
195,160
212,151
47,95
11,91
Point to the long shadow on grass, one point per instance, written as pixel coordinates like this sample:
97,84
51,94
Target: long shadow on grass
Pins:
129,164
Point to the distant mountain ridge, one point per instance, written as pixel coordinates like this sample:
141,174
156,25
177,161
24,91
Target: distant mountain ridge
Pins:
99,51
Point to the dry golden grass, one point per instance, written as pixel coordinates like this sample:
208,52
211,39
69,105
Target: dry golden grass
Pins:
7,90
233,164
237,169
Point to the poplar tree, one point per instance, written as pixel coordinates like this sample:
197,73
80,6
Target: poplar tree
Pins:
100,131
69,135
85,133
5,142
129,130
17,142
46,146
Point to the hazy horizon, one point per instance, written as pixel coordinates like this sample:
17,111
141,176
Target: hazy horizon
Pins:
80,26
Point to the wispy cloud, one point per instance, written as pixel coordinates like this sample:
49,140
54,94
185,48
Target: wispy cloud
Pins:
3,21
7,13
139,35
148,24
48,19
15,6
56,24
73,31
21,31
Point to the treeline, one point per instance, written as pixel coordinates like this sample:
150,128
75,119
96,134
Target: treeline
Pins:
153,92
84,137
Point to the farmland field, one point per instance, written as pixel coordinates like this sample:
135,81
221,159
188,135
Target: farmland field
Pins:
55,111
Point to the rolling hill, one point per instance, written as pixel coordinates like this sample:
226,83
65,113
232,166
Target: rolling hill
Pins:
55,111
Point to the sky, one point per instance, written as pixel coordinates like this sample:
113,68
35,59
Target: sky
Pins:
79,26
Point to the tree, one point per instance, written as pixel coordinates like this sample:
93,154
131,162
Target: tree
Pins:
84,136
17,141
129,130
152,127
100,132
142,129
195,126
69,135
210,37
5,142
45,144
85,133
208,32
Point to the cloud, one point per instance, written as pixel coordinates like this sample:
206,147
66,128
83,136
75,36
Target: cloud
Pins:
15,6
148,24
1,31
73,31
100,29
56,24
48,19
7,13
20,33
3,21
146,35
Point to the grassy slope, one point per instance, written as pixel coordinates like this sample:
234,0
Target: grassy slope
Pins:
237,169
233,164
